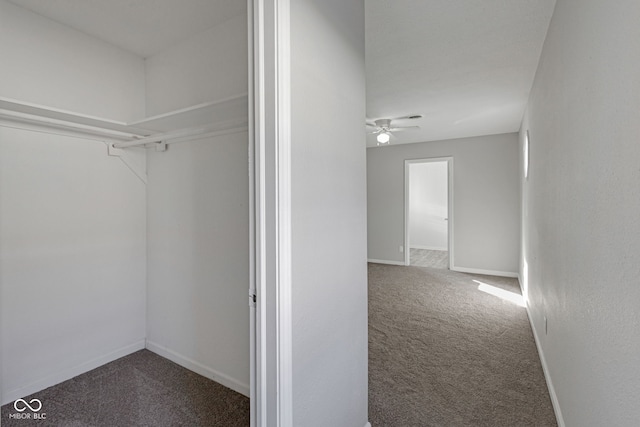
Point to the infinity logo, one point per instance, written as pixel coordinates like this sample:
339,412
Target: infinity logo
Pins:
27,405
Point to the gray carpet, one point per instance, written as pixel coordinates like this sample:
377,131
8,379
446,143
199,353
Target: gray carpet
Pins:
443,353
142,389
429,258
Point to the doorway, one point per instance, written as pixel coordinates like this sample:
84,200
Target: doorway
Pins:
429,212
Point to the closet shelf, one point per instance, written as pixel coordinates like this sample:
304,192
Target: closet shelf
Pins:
211,116
25,111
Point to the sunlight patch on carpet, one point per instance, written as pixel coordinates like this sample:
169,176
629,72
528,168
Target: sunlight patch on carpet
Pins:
501,293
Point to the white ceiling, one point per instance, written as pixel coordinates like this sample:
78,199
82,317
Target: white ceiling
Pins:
466,65
143,27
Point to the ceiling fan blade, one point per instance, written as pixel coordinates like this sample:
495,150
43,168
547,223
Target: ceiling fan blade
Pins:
373,125
375,132
408,117
403,128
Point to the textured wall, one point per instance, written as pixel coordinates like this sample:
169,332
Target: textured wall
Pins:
328,214
581,204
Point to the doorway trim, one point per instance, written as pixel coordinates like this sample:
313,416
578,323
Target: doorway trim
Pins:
450,213
270,115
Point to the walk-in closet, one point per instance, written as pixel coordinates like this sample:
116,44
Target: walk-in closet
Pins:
124,195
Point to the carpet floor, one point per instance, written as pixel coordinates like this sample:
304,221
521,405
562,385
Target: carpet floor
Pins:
429,258
444,353
142,389
441,353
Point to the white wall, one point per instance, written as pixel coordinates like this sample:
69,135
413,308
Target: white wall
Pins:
198,257
210,66
328,209
72,219
198,212
47,63
72,259
428,205
485,205
581,235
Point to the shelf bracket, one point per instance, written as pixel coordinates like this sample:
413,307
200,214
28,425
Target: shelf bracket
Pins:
113,151
129,159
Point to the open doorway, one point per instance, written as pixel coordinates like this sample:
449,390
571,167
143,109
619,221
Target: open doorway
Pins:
428,212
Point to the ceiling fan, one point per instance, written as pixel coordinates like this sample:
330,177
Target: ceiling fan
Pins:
384,129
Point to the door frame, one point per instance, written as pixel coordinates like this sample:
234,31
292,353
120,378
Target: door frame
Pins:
253,320
270,171
450,213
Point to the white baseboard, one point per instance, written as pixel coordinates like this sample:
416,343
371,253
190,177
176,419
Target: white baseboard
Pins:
382,261
368,424
485,272
552,391
199,368
429,248
69,373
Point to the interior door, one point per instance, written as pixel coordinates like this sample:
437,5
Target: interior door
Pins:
428,208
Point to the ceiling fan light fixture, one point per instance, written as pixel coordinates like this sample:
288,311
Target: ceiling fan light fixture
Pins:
383,137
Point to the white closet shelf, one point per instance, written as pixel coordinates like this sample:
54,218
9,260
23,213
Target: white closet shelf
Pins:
207,114
49,115
220,114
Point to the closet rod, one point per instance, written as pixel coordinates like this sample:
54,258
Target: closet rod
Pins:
62,124
159,137
182,133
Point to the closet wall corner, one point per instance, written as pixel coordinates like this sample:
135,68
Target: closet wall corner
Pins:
124,195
